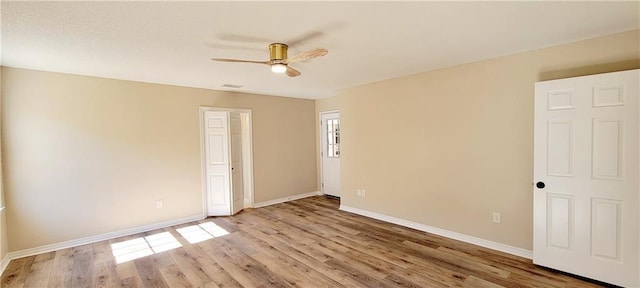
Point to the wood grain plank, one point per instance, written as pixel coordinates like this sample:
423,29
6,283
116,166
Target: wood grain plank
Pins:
481,283
17,271
190,266
40,270
517,270
244,269
82,275
292,270
461,262
102,252
217,275
305,258
149,273
174,276
357,274
62,269
131,282
397,280
105,274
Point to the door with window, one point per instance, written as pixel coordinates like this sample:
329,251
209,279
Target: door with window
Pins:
586,156
330,153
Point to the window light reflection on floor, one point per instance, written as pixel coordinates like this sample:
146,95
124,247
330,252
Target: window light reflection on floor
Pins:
162,242
213,229
143,246
201,232
194,234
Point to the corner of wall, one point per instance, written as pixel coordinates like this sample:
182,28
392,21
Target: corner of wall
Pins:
4,263
4,245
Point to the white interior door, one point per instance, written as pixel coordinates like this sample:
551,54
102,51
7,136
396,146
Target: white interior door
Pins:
236,162
330,152
586,156
217,163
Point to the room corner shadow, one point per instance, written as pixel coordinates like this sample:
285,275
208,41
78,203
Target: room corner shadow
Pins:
590,70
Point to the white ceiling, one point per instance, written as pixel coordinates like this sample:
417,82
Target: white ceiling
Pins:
172,42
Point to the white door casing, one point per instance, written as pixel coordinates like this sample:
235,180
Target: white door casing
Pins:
247,160
586,152
217,168
235,127
330,153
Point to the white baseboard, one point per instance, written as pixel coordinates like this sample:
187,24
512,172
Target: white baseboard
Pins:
285,199
4,263
442,232
91,239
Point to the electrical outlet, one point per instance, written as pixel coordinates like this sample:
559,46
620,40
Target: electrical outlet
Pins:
159,204
364,193
359,192
496,217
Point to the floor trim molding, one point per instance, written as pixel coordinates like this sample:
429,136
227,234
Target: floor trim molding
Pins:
4,263
442,232
91,239
285,199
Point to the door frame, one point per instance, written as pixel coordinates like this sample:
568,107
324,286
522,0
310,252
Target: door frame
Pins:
321,148
247,154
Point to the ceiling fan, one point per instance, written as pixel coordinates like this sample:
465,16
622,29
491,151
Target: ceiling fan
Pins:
279,62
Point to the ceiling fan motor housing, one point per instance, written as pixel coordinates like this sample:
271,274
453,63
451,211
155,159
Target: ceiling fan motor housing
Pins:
278,51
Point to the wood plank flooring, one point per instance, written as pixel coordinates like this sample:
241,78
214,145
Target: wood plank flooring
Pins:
302,243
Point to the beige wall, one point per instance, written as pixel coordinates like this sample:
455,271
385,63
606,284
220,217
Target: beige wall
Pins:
86,155
322,105
327,104
447,148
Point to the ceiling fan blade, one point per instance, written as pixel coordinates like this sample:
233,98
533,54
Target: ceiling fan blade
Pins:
242,38
307,55
292,72
240,61
232,47
304,38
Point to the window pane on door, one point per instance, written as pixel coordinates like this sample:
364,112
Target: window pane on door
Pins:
333,138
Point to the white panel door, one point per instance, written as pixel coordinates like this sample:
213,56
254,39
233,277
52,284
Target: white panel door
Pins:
586,156
330,152
217,163
235,124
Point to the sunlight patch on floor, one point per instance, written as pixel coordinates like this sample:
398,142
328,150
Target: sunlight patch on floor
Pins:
213,229
162,242
201,232
143,246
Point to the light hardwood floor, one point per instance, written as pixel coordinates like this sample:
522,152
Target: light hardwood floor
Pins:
302,243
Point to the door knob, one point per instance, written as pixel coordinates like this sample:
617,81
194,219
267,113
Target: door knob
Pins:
540,185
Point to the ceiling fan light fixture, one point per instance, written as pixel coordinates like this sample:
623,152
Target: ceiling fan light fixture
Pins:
278,68
278,59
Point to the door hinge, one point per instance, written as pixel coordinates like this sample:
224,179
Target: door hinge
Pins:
322,184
